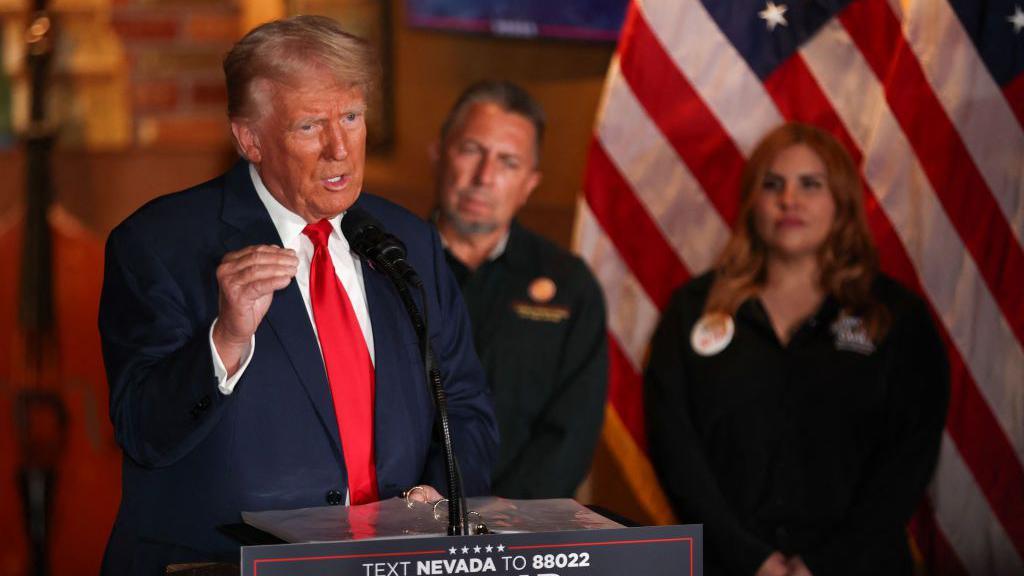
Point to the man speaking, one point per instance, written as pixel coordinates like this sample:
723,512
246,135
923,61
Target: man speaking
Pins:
254,361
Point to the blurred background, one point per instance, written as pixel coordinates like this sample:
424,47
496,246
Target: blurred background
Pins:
927,95
136,98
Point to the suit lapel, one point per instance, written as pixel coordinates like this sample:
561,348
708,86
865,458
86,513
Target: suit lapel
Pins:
248,224
389,362
290,321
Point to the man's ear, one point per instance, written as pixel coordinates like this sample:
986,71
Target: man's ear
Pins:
533,182
246,140
434,152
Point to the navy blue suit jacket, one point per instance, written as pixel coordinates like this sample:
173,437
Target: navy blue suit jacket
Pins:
195,458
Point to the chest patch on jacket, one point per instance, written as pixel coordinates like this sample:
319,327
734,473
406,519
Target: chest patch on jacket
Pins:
540,312
542,290
851,335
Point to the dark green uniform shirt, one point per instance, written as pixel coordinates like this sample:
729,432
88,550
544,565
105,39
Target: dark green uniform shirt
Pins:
538,319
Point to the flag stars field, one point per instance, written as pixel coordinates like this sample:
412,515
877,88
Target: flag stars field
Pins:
773,15
928,95
1016,19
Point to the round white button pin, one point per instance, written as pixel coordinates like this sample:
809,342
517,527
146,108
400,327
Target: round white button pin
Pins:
712,333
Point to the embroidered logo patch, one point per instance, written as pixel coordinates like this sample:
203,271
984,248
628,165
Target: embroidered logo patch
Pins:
542,290
851,335
540,312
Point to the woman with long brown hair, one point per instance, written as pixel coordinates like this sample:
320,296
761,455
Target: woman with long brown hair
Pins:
795,395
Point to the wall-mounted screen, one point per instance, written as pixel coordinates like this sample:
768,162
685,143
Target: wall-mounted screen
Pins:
575,19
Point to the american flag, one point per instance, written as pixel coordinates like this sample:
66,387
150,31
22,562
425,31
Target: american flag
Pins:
928,96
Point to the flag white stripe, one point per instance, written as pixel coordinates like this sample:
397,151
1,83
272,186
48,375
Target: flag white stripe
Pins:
650,165
948,274
714,68
963,85
967,520
659,178
632,316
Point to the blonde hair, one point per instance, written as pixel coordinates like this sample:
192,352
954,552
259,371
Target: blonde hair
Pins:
847,260
285,50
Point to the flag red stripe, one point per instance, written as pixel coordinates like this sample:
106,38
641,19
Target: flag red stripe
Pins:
629,226
932,543
958,184
798,97
706,148
972,425
681,115
1014,92
985,450
625,392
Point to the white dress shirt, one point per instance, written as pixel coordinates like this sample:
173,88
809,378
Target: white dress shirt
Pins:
289,227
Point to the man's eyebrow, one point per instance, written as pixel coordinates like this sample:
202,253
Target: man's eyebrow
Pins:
309,119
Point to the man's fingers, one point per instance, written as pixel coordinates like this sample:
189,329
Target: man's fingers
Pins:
256,260
264,286
257,282
432,494
423,493
262,272
257,265
247,280
260,252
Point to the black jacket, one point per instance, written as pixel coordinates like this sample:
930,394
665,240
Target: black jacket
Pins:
819,448
546,362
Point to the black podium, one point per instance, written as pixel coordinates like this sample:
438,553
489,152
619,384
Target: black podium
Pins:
530,538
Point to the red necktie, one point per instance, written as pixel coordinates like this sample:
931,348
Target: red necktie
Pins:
349,368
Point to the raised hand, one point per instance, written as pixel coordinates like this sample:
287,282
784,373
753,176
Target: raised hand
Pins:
797,567
247,280
773,565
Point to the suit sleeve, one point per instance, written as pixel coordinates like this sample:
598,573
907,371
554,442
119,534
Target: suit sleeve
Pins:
470,407
558,453
900,469
163,392
676,452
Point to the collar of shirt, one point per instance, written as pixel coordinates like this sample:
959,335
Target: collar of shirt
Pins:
289,226
499,248
752,311
496,252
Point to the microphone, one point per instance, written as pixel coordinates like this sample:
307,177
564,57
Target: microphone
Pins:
367,238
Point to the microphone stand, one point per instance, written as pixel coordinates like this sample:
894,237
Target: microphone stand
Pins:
458,523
